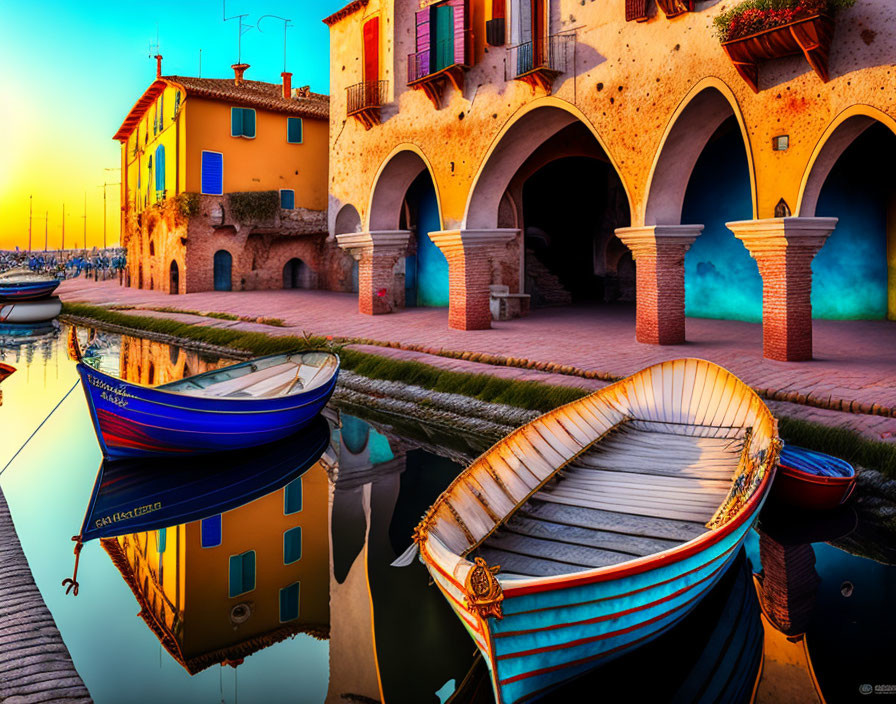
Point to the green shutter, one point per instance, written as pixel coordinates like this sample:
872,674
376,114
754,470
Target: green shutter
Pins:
236,576
289,602
294,130
248,571
163,540
236,122
292,545
293,497
248,123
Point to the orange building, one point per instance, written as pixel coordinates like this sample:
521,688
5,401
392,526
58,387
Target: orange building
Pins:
218,590
224,186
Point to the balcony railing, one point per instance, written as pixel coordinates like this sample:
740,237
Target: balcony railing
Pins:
366,96
429,61
548,54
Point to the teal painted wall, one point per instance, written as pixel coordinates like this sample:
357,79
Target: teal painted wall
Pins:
426,274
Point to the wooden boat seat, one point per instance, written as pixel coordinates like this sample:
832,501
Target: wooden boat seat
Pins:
244,384
644,489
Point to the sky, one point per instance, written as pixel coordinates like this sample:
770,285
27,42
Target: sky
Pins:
72,70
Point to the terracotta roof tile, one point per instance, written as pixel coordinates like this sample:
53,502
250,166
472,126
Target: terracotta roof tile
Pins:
345,12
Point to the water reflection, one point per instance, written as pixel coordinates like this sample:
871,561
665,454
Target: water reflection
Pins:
270,567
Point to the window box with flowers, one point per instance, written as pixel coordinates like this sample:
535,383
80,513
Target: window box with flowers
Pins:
759,30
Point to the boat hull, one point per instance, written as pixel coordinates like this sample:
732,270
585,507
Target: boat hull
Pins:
30,311
798,488
26,290
137,421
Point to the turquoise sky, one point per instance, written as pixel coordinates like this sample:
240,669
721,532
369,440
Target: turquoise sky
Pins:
72,70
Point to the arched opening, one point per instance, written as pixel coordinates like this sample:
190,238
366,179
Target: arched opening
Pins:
347,220
551,169
425,266
173,279
721,278
851,278
297,274
223,270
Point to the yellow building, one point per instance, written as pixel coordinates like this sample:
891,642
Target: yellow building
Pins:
218,590
224,185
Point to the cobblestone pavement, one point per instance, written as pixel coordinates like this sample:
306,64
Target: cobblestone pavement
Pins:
854,360
35,665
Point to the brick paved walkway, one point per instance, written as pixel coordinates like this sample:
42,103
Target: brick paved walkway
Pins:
35,665
855,360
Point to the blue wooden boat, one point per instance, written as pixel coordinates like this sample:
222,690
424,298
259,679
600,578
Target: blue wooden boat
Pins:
135,495
609,518
242,405
24,285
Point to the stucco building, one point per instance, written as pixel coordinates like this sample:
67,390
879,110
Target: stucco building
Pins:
559,148
224,186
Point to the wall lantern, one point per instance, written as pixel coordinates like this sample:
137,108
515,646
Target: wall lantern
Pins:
781,143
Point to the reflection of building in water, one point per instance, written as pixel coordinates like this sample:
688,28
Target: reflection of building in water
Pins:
220,589
152,363
787,589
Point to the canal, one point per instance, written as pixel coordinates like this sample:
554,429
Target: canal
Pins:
291,597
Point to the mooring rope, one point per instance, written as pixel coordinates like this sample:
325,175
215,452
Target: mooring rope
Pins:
40,426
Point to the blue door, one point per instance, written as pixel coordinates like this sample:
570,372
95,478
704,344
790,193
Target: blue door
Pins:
223,266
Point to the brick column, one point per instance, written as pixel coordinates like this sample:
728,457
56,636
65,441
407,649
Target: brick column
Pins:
470,254
377,253
784,249
658,251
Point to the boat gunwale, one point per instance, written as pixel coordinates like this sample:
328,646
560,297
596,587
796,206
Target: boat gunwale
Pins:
522,587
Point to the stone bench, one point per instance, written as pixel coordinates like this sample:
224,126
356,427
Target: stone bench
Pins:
505,305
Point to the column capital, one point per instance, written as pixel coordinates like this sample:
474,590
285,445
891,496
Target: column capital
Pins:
465,240
646,239
375,240
773,235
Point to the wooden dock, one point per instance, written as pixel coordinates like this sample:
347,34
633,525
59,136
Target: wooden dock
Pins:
35,665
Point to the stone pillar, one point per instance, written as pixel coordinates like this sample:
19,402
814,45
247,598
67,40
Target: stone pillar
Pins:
470,254
658,251
784,249
376,252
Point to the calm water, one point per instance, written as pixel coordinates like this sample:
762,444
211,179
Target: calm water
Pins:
365,631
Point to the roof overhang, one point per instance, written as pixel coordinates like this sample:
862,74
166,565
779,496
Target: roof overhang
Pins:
349,9
140,108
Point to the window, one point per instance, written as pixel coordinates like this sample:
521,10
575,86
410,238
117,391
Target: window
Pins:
212,173
440,39
242,573
211,527
176,102
160,168
294,130
287,198
292,497
162,540
289,602
292,545
242,122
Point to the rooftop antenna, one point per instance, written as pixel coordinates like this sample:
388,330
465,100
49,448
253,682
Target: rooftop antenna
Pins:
286,23
242,29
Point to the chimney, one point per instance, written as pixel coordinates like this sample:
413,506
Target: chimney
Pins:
287,84
238,71
158,58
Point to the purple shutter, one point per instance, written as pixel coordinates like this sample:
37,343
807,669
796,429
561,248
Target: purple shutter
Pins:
421,64
460,35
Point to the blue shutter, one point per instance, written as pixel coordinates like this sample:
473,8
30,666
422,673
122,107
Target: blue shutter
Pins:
289,602
212,173
248,123
293,497
287,199
160,168
294,130
163,540
211,531
236,122
292,545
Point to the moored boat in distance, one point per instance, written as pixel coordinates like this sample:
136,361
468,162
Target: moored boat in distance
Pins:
30,311
813,480
600,525
25,285
242,405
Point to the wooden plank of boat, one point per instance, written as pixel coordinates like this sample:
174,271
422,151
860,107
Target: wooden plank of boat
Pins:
610,517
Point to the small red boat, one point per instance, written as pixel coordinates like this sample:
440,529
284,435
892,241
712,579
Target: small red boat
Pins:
812,480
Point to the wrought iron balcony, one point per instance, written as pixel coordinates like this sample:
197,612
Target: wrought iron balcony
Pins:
444,62
539,61
363,101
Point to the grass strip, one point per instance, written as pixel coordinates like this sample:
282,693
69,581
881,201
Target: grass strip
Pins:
531,395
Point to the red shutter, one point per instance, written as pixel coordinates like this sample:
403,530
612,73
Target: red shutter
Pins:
498,9
372,49
423,45
460,34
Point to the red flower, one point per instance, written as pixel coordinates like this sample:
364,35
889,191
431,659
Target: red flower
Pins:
381,292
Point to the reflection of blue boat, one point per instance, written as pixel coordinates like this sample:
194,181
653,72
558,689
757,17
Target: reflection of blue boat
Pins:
243,405
18,330
131,496
25,286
